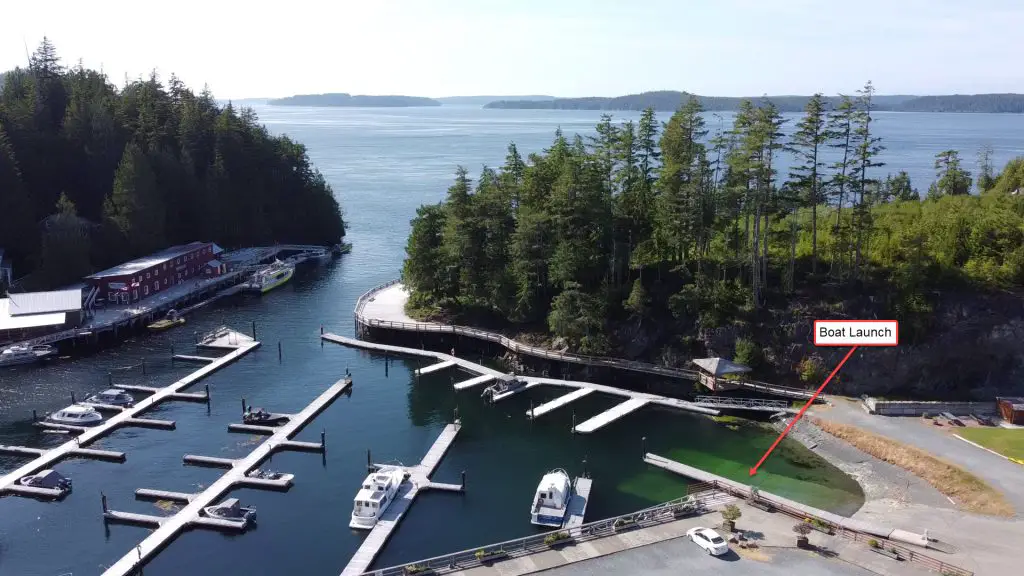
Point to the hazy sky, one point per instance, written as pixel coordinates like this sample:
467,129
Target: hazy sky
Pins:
559,47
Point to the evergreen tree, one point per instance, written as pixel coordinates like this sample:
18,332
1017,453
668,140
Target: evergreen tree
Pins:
951,179
807,144
841,124
986,174
135,204
867,147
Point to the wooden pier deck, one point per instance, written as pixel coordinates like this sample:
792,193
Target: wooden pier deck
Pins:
190,514
125,418
611,415
558,402
578,503
418,480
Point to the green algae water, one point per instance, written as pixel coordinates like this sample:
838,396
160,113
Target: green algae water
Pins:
383,164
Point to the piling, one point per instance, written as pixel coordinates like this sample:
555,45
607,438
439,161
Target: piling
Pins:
73,398
643,446
110,378
323,440
574,422
463,479
278,350
103,499
207,388
172,352
243,405
143,366
253,329
34,417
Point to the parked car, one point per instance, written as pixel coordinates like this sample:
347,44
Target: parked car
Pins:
709,540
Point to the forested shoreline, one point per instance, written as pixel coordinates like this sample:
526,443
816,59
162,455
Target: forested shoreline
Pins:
669,242
92,174
669,100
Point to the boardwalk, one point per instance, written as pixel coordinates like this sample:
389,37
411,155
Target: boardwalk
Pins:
170,526
558,402
384,307
419,479
530,380
611,415
127,417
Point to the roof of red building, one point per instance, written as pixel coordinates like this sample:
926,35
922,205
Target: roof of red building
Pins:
145,262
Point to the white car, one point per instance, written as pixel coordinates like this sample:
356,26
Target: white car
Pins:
709,540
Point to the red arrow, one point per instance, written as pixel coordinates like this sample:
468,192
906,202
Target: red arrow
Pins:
802,410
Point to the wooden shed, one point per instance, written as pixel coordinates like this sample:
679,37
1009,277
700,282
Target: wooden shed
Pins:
1012,409
713,370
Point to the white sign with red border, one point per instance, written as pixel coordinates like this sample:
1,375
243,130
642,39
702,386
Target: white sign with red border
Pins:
856,333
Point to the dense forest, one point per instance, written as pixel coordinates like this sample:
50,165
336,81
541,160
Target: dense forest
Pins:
665,242
91,175
342,99
669,100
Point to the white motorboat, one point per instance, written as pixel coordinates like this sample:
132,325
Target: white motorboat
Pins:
232,510
264,474
271,277
16,355
551,501
76,415
378,491
49,479
112,397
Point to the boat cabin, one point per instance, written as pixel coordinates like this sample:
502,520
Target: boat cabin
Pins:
75,413
114,396
373,496
553,491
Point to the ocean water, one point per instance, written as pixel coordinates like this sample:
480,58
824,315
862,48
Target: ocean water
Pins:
382,165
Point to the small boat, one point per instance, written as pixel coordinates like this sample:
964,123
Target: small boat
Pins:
378,491
505,384
551,501
112,397
271,277
169,321
50,479
261,416
261,474
76,415
230,509
16,355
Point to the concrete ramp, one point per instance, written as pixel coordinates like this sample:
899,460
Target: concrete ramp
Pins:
611,415
436,367
558,402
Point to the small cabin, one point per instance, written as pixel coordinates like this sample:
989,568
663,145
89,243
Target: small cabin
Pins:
712,372
553,491
1012,410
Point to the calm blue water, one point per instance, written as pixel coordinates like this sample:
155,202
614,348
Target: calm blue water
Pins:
383,164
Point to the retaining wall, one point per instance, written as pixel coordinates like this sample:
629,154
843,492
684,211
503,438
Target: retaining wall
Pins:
914,408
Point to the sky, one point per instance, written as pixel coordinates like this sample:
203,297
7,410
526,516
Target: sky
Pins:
556,47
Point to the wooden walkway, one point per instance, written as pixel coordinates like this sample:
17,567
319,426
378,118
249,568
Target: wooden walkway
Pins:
189,515
418,480
530,380
125,418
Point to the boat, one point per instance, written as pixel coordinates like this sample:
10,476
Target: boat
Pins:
378,491
551,502
169,321
49,479
271,277
262,474
16,355
112,397
262,417
76,415
505,384
231,510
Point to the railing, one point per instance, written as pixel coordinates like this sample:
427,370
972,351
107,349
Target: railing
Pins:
727,401
697,500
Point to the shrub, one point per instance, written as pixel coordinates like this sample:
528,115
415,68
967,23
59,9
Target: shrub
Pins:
802,528
555,537
873,543
747,353
731,513
811,369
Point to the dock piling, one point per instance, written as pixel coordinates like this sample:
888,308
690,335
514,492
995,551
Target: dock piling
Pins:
253,329
34,417
243,406
278,350
110,378
574,422
172,352
207,388
323,440
103,499
369,460
463,480
643,446
143,366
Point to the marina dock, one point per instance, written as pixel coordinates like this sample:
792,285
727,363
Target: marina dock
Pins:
558,402
170,526
481,379
436,367
611,415
419,479
578,503
129,417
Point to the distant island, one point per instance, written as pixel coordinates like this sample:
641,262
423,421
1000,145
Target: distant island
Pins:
668,100
483,100
348,100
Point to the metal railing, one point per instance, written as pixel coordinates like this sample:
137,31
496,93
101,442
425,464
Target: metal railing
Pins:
521,348
697,501
727,401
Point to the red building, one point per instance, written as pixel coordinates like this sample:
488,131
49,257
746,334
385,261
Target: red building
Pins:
149,275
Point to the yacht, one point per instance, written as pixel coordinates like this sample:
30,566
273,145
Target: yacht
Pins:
378,491
112,397
264,474
76,415
25,354
551,501
232,510
271,277
49,479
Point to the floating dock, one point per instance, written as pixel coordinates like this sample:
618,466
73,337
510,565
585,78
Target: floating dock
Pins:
150,494
418,480
170,526
558,402
611,415
578,503
482,379
191,358
208,461
129,417
435,367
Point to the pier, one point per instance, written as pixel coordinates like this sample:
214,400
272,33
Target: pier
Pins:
383,307
435,367
578,504
169,527
611,415
557,402
128,417
531,381
481,379
419,479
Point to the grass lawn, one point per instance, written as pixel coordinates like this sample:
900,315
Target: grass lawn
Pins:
1007,442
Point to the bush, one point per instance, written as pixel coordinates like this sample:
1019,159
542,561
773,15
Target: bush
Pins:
873,543
555,537
802,528
811,369
731,513
747,353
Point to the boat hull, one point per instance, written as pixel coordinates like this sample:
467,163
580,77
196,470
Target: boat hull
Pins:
361,523
549,521
161,325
